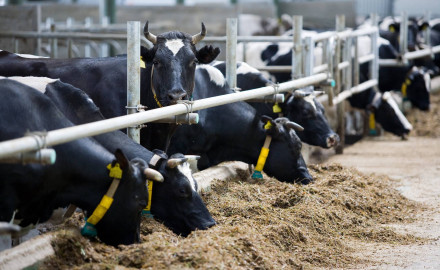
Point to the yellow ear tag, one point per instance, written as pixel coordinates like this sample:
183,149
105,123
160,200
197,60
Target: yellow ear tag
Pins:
268,125
372,122
115,172
142,62
404,85
392,29
408,81
276,108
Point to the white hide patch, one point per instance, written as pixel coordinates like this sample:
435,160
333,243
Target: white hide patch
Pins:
38,83
388,98
174,45
244,68
427,78
28,55
186,171
310,99
214,74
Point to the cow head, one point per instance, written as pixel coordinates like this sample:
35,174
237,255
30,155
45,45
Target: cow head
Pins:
414,31
417,87
285,148
303,108
175,201
173,61
121,223
389,116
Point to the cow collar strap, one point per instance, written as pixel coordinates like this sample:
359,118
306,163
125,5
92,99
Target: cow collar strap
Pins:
152,88
146,212
106,201
404,88
263,155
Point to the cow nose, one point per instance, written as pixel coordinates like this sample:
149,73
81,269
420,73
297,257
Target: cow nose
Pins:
332,140
176,95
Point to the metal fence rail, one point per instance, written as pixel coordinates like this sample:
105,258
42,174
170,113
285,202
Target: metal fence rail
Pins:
65,135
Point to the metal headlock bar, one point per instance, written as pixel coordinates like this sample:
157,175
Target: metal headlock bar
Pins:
64,135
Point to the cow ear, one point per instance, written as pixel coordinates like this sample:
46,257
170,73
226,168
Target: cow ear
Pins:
423,26
121,159
394,27
148,54
207,54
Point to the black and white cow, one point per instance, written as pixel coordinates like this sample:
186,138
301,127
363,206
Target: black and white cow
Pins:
79,176
389,29
175,201
168,76
235,132
302,108
413,81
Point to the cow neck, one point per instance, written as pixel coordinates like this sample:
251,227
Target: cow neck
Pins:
89,228
152,87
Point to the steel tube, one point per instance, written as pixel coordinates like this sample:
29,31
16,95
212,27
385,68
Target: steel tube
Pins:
277,98
320,68
133,74
64,135
297,47
43,157
343,65
366,58
231,52
354,90
187,118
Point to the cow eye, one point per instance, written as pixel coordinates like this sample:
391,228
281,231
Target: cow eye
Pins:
194,62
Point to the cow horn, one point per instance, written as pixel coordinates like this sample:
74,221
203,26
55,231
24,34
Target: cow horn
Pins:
318,93
294,126
196,38
192,157
300,94
153,175
148,35
174,162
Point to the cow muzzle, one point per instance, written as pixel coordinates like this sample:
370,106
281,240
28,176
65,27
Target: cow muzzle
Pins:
176,95
332,140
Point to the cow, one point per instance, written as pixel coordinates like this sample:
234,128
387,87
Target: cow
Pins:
389,29
299,107
167,76
79,176
175,201
413,81
235,132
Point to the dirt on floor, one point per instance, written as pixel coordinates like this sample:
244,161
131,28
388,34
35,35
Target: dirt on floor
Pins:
348,218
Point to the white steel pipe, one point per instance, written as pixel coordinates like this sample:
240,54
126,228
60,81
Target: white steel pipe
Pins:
320,68
366,58
231,52
43,157
133,74
55,137
297,47
187,118
354,90
343,65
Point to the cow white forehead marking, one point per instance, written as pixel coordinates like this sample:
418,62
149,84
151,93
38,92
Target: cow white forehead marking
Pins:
310,99
388,98
186,171
214,74
244,68
174,45
38,83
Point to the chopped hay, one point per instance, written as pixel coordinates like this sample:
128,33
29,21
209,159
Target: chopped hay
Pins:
263,225
426,123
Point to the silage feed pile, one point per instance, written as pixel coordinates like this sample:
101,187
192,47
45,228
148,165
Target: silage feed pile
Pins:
261,225
426,123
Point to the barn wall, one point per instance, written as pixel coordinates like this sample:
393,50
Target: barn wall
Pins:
321,15
23,18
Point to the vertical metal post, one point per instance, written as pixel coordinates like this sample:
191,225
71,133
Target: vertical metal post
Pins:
87,23
348,81
54,43
104,46
374,65
38,52
69,24
297,47
16,45
356,61
340,108
309,47
403,44
330,69
231,52
427,32
133,73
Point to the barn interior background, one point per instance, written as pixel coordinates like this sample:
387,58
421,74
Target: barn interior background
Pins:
110,17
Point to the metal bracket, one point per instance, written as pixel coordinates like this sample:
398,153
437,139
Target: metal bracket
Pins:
139,107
